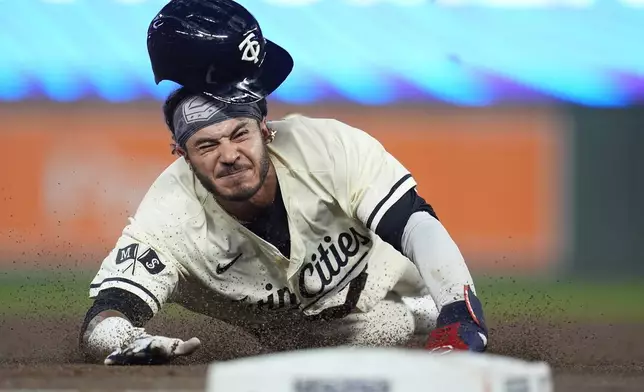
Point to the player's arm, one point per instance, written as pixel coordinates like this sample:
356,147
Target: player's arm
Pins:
413,228
383,196
133,283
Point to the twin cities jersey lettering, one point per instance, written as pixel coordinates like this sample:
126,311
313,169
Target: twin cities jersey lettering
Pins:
336,183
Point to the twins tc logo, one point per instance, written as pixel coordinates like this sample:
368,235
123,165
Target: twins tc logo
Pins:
149,259
250,48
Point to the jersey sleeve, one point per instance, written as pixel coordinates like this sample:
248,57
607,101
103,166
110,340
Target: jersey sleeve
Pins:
139,268
374,179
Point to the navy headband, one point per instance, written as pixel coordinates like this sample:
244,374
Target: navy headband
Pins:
197,112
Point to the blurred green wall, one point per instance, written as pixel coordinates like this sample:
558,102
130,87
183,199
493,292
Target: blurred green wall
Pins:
608,192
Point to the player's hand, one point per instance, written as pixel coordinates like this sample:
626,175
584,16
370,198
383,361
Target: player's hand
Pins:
460,326
458,336
152,350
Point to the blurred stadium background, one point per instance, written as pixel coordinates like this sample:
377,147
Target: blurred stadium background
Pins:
522,120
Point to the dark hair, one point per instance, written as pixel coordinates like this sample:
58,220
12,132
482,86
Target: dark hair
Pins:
174,99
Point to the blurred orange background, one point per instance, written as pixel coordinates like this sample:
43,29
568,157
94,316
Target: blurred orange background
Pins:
73,174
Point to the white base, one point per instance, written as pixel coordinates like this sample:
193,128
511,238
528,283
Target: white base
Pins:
349,369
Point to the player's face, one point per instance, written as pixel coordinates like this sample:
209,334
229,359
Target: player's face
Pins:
230,158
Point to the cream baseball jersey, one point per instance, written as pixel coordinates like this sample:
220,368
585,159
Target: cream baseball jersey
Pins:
336,182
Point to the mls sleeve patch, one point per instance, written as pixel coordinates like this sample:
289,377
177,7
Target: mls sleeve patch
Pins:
148,259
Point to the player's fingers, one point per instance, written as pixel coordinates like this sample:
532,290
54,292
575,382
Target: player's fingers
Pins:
140,348
116,358
123,356
156,347
188,347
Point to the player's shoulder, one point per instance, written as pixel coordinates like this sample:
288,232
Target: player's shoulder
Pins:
316,135
173,198
324,128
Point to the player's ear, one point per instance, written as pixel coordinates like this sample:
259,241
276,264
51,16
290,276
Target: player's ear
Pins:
178,150
267,134
263,128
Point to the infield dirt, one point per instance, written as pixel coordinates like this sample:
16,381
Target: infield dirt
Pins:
42,353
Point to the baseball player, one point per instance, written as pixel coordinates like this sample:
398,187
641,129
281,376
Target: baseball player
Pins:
305,232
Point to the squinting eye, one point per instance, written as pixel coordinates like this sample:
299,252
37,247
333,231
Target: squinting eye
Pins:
241,133
206,146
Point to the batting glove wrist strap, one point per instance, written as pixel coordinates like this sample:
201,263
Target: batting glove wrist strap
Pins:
110,334
460,326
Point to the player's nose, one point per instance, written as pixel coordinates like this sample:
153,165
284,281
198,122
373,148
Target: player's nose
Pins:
228,153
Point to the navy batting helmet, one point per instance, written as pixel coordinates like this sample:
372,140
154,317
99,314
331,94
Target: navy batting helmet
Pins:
215,47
